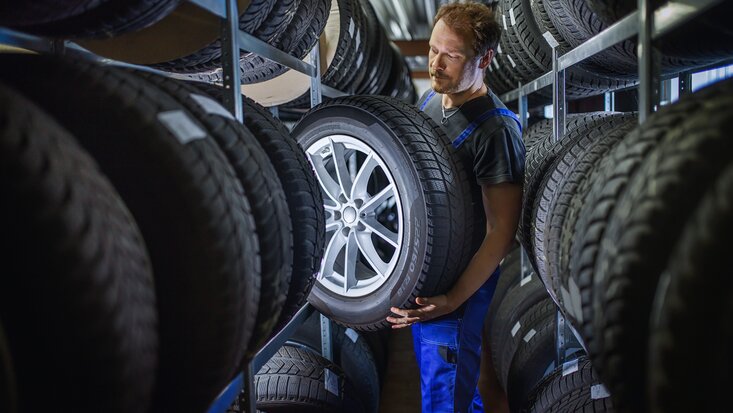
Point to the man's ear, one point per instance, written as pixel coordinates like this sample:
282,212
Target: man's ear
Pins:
486,59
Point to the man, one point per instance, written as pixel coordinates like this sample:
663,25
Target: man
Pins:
447,328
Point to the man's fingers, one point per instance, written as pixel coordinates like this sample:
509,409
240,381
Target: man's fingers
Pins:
403,320
422,301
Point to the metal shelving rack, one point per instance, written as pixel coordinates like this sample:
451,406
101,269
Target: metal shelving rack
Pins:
649,25
233,40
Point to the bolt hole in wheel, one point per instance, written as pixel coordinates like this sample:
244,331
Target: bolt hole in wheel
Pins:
364,222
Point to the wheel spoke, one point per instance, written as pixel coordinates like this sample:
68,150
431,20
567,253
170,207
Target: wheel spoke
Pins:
378,199
350,258
376,227
359,189
366,246
334,246
330,187
342,172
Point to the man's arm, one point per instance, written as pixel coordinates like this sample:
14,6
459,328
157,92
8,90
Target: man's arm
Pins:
502,206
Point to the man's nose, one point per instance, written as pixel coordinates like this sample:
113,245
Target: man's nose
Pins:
436,64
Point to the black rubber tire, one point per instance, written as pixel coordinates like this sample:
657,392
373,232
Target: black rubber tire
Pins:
104,19
528,322
548,207
535,355
510,272
525,55
42,11
77,300
293,380
351,353
343,74
431,183
206,271
208,58
299,38
571,392
538,161
640,236
693,306
514,306
8,381
375,78
606,185
378,342
302,193
565,191
264,192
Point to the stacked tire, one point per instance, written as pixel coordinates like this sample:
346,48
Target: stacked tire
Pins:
169,258
609,212
524,54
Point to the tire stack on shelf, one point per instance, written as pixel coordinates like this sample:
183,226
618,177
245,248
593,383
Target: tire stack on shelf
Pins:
522,331
211,291
356,58
608,218
523,54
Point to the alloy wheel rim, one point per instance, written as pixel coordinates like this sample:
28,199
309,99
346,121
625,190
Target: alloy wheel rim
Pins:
364,222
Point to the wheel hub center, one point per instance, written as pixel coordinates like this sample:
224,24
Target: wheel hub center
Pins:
349,215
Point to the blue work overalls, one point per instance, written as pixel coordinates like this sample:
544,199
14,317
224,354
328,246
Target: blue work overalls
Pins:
448,349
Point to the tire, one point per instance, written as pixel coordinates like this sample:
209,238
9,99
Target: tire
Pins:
518,301
95,20
666,189
293,380
340,73
205,321
564,195
378,342
528,323
77,298
43,11
550,205
393,137
527,54
351,353
534,357
570,389
302,193
538,161
510,272
251,20
8,382
300,37
375,78
687,311
264,192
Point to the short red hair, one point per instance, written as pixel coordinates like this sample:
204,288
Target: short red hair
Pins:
474,21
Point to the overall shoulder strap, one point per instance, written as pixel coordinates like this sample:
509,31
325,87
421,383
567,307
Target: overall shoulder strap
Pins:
481,119
427,99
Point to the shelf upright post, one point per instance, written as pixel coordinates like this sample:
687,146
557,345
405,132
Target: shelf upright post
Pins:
685,83
647,83
523,258
558,92
230,61
315,59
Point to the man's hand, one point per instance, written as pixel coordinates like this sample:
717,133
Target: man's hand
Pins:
432,307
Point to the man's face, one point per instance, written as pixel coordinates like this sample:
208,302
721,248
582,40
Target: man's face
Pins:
452,63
